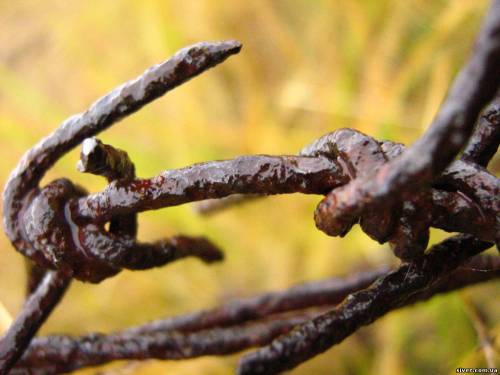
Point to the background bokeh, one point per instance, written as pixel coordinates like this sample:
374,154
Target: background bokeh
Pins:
306,68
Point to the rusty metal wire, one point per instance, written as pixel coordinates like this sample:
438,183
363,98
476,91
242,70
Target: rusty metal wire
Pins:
230,328
36,219
394,194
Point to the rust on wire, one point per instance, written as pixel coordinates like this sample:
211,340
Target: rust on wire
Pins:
233,327
22,188
389,292
37,220
475,85
395,194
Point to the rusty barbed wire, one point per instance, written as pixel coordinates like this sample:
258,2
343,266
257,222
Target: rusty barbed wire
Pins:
35,311
36,220
233,327
462,184
395,194
476,84
21,193
388,293
263,174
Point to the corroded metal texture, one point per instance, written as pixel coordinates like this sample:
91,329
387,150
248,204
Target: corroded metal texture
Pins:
361,308
465,198
484,141
395,194
474,87
230,328
106,111
59,354
113,164
37,221
36,310
247,174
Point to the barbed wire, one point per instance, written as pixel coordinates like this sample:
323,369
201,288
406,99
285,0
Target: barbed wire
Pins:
395,194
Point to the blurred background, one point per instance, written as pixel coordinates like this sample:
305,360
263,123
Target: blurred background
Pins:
306,68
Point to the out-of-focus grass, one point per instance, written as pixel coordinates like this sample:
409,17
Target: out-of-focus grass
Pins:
307,67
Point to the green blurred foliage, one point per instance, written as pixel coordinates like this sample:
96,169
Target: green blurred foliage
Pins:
307,68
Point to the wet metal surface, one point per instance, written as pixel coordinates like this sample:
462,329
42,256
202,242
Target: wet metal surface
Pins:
394,193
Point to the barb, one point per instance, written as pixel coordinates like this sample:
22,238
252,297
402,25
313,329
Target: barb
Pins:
126,252
36,310
447,207
121,102
331,162
361,308
105,160
119,248
114,164
38,224
227,329
474,87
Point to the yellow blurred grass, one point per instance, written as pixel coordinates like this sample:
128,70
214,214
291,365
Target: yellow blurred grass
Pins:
5,319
